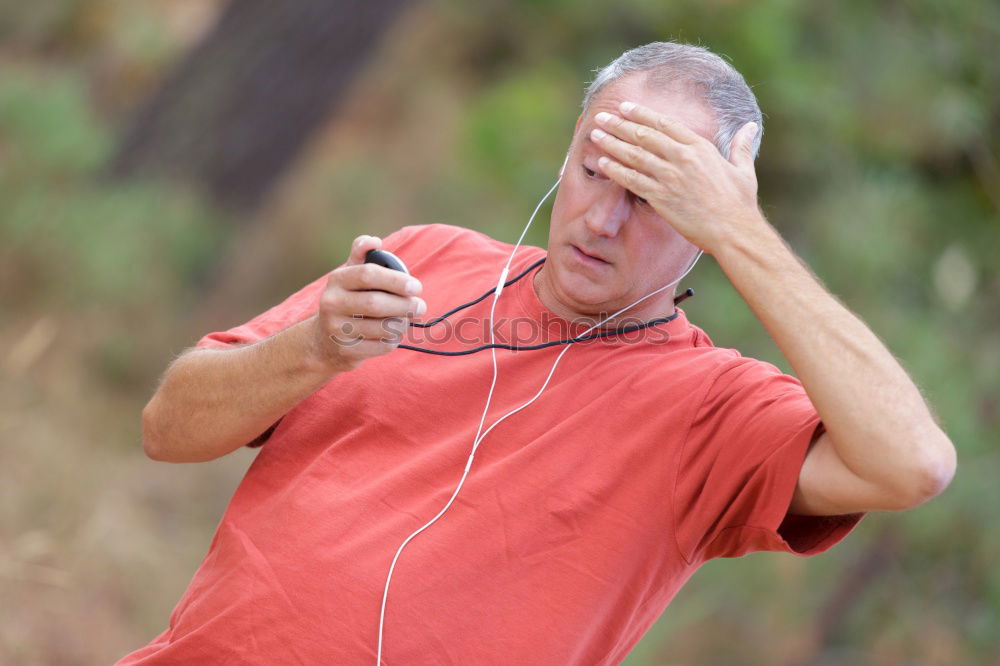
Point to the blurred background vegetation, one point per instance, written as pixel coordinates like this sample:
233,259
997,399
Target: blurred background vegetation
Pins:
173,167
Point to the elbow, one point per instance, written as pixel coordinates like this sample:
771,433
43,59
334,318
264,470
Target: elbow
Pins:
940,469
151,440
934,469
162,442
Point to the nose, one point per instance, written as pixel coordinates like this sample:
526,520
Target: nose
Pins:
608,212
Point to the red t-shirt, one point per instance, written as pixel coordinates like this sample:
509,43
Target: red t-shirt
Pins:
580,519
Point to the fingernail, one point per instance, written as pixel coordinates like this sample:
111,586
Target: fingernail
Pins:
412,286
602,161
597,134
626,106
603,117
421,307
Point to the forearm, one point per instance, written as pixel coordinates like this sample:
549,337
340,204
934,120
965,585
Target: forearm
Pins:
212,401
876,418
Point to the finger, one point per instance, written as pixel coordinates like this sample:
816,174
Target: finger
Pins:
355,329
372,276
380,304
628,154
359,350
635,182
643,115
652,140
360,247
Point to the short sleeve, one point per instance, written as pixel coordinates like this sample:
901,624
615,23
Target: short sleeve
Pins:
299,306
739,467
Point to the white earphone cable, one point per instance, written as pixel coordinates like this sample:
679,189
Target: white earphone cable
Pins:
480,435
478,438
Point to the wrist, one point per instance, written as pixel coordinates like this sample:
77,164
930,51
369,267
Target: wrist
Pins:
751,236
321,355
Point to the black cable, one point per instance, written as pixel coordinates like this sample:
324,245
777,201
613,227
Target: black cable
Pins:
593,336
568,341
471,303
688,293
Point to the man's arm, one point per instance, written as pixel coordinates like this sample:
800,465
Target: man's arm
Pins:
212,401
882,449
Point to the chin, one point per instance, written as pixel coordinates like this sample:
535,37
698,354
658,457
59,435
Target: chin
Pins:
588,297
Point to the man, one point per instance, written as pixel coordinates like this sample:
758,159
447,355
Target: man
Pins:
583,513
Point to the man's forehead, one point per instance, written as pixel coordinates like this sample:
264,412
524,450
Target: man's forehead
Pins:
677,101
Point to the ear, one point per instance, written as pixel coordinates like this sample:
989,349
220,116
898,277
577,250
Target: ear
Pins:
741,152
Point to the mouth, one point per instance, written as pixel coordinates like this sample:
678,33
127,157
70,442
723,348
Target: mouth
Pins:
587,257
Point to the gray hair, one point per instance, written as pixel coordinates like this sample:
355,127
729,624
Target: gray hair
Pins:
721,86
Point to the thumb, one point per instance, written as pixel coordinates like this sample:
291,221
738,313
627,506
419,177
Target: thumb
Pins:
360,247
741,150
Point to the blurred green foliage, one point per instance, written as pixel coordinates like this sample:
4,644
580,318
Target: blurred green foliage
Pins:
71,236
879,164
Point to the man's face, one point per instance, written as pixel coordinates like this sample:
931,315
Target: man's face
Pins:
607,247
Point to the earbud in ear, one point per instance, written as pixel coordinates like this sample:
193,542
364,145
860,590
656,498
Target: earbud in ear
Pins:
563,167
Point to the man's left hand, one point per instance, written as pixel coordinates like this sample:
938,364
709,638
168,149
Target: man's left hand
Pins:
680,173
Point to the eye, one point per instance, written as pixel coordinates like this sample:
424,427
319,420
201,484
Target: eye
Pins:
590,173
